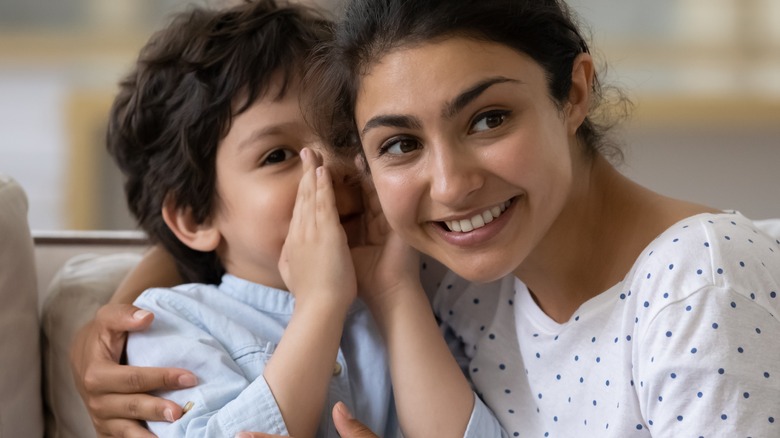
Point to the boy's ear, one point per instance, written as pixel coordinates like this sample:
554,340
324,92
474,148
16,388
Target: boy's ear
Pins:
582,77
199,236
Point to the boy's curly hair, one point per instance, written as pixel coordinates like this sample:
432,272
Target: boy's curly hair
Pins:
176,105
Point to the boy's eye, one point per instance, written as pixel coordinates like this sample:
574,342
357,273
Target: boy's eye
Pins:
277,156
400,146
488,120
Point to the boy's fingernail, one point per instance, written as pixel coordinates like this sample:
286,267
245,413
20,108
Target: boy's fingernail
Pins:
168,414
187,380
344,411
319,171
244,435
140,314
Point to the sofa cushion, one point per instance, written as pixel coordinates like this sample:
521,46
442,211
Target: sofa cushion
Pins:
20,378
83,284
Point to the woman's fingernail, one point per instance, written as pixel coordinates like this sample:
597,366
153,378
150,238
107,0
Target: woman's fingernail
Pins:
344,411
187,380
140,314
168,414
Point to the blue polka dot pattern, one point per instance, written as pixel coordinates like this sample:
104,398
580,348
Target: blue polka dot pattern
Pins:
691,324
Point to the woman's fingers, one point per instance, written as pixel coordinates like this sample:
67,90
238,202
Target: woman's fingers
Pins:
107,378
123,318
123,428
136,407
114,394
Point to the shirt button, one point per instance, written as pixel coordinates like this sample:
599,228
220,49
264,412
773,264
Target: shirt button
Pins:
336,369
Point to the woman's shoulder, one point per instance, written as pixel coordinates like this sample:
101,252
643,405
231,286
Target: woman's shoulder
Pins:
710,249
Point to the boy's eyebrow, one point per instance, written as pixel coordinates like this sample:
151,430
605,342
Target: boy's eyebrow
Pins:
451,108
454,106
268,131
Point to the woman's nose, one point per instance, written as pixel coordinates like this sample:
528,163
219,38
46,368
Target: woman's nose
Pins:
455,175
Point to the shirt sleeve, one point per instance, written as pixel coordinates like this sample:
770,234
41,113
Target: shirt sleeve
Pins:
225,401
709,365
483,423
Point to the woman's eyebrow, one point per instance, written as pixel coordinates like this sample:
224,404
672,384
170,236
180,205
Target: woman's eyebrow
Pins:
454,106
451,108
392,120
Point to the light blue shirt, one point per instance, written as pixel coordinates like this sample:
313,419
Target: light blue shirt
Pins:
226,334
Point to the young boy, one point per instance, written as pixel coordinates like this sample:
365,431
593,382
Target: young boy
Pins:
220,170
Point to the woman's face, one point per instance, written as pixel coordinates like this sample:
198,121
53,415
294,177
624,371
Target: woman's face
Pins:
470,157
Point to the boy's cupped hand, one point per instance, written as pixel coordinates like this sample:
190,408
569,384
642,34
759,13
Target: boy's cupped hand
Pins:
315,262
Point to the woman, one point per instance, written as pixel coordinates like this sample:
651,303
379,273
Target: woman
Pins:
584,304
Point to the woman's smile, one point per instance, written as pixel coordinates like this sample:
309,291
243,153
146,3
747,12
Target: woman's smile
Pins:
478,230
473,168
476,221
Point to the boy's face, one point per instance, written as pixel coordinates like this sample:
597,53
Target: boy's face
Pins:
258,171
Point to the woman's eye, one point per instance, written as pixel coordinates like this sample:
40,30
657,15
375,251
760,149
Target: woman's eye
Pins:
400,146
489,120
277,156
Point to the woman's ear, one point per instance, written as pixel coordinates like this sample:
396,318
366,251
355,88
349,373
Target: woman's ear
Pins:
582,76
203,237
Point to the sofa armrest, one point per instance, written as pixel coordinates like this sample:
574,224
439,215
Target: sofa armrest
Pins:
20,381
54,248
78,271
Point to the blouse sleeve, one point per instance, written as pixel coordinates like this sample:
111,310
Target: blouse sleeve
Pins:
709,365
483,424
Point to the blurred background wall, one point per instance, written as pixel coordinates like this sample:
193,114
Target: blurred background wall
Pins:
704,76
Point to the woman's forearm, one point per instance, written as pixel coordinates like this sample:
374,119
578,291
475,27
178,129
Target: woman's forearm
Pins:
433,397
156,269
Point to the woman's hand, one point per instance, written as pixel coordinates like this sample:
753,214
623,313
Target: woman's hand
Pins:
385,265
346,426
115,394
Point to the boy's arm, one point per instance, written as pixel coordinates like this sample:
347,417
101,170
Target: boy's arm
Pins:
317,268
115,395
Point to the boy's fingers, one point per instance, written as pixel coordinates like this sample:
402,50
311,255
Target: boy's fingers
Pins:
307,187
316,158
326,198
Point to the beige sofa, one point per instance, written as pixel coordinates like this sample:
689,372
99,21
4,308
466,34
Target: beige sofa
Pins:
50,285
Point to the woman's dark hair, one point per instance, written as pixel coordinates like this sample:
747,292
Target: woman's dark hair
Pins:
545,30
190,80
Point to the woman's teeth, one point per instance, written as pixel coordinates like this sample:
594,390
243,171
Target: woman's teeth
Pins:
478,221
